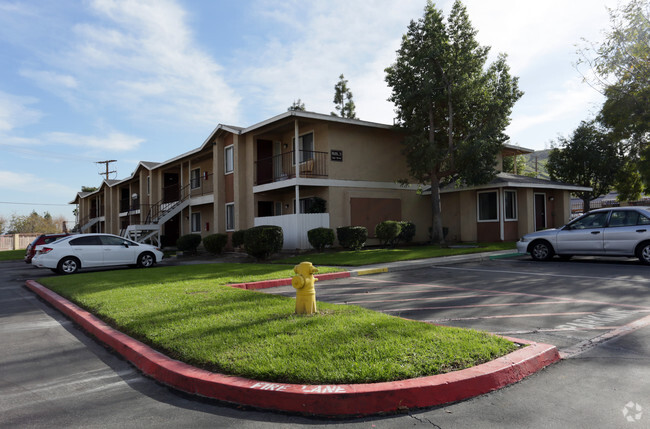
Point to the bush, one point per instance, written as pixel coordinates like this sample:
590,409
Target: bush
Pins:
407,233
215,243
238,238
320,238
352,237
188,243
387,232
263,241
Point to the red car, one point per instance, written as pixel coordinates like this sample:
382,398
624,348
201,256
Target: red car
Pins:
41,239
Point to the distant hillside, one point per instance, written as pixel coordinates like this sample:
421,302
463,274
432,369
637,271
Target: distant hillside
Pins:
536,163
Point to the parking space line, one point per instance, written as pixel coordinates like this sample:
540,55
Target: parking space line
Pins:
507,316
533,295
526,273
508,304
438,298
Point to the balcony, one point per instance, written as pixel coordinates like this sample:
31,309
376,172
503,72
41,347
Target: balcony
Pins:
129,205
282,167
202,185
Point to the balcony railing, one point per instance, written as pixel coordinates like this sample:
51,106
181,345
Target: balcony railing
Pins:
282,167
202,185
129,205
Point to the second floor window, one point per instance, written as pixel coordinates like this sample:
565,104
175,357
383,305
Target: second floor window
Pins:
229,159
195,178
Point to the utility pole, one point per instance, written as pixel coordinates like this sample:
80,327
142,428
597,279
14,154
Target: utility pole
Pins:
107,162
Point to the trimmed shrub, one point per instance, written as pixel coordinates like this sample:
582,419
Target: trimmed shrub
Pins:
407,233
320,238
387,232
188,243
215,243
352,237
238,238
263,241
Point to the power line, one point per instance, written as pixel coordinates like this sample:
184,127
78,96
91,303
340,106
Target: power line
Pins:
34,204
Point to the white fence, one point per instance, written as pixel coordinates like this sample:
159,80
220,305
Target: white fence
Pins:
16,241
295,227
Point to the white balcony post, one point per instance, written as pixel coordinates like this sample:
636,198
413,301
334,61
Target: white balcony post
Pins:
297,159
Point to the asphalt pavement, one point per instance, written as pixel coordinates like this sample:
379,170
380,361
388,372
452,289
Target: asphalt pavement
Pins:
54,375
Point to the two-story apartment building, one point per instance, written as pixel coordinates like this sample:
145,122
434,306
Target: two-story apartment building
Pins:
301,170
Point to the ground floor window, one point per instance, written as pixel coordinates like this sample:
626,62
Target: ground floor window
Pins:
510,205
196,222
230,217
488,210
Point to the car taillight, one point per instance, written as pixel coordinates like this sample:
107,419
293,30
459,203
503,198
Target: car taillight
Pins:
45,250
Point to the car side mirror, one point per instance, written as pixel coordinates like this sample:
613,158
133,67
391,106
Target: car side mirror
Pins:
125,244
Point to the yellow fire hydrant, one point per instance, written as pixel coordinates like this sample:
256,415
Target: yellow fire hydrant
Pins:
304,282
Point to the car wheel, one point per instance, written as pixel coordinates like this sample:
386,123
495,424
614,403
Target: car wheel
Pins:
541,251
146,260
68,265
643,253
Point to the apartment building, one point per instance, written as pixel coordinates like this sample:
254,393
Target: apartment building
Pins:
302,170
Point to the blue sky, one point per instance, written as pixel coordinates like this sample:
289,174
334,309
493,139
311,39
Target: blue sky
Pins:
90,80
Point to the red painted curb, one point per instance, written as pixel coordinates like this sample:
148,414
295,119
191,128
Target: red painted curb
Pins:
331,400
265,284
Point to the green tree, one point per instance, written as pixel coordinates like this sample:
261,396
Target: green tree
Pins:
452,105
297,105
509,165
589,158
35,223
621,70
88,188
3,224
343,100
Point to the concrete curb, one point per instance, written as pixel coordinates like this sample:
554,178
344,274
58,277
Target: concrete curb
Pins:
265,284
330,400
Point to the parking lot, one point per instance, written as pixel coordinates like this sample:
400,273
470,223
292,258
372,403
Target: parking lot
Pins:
560,303
54,375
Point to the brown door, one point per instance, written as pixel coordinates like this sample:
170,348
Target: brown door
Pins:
171,231
264,161
540,212
170,193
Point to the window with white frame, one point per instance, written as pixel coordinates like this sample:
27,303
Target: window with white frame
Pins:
229,159
488,210
510,205
195,178
196,222
230,217
305,146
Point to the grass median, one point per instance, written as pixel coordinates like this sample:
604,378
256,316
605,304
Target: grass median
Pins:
189,314
12,255
377,256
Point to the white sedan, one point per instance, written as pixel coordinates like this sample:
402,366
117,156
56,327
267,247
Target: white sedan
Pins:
617,231
67,255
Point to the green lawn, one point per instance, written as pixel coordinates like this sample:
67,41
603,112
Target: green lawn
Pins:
188,314
12,255
377,256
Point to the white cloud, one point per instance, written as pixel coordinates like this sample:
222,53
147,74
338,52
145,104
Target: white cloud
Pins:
326,39
141,58
15,111
50,79
31,184
113,141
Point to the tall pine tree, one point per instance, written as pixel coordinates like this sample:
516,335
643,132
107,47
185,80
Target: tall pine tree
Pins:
452,106
343,100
